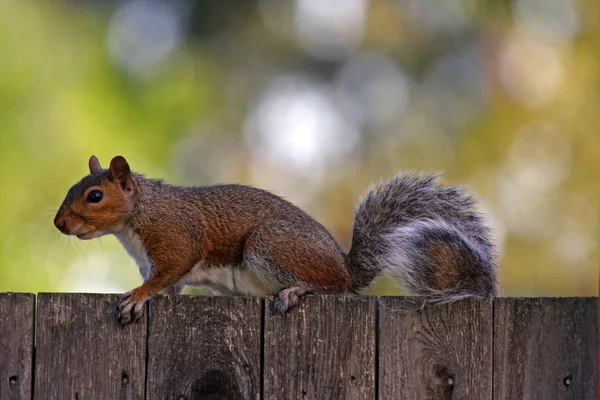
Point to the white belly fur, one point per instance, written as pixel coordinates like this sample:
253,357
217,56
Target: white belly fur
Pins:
134,246
229,280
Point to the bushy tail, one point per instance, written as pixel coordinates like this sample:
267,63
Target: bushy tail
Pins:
428,236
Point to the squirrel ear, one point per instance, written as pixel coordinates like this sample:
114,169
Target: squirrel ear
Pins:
120,172
94,165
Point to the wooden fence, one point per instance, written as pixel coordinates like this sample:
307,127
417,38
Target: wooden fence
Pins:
330,347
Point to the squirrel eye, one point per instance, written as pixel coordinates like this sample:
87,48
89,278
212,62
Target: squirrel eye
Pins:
94,196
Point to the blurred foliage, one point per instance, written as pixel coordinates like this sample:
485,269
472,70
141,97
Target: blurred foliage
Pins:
312,102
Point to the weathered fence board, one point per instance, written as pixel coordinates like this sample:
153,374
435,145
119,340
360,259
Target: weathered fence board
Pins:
82,351
328,347
16,345
435,352
204,348
322,349
545,348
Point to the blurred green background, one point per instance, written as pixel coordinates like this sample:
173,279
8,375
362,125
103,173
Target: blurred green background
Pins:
310,99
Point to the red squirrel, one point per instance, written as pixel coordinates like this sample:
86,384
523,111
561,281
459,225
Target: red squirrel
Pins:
237,239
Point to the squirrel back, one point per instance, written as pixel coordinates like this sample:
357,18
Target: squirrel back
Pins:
242,240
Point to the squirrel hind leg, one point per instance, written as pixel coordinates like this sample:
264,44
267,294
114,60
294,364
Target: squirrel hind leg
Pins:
290,259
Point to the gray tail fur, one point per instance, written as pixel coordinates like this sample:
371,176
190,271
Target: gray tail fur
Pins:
428,236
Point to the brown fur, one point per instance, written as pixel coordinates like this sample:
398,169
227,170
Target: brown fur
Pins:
181,227
453,268
239,239
447,264
312,264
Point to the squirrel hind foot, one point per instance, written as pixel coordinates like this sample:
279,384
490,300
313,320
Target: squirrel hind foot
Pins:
290,297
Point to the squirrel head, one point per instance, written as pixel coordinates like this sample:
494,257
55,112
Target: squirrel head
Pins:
100,203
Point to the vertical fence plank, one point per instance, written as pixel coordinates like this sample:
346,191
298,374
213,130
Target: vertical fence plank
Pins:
322,349
435,352
545,348
16,345
83,353
204,348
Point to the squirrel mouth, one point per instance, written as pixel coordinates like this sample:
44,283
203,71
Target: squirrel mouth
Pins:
85,235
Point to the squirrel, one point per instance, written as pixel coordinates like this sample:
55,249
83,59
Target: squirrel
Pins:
238,239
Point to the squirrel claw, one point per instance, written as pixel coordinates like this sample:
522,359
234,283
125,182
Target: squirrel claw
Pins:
289,298
130,310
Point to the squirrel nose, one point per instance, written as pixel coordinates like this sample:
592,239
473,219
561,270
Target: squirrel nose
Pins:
60,223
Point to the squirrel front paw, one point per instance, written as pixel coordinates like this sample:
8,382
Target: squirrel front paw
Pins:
290,297
131,306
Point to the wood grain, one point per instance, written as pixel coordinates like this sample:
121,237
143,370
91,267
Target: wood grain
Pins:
83,353
545,348
322,349
16,345
435,352
204,348
210,348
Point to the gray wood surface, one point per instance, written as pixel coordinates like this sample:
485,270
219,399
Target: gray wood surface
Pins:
322,349
545,348
204,348
16,345
210,348
435,352
82,351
